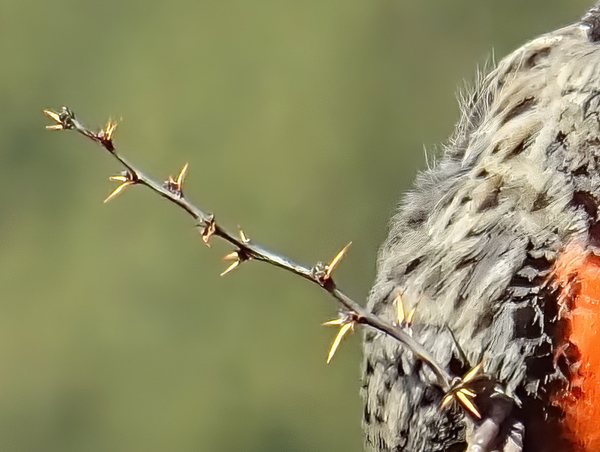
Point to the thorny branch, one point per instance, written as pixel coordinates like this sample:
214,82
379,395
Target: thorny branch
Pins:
245,249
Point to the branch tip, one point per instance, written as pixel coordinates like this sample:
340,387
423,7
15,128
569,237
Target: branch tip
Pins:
55,116
63,119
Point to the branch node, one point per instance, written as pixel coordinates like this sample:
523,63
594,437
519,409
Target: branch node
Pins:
64,119
105,135
126,178
346,322
238,257
462,394
319,272
175,186
209,226
322,272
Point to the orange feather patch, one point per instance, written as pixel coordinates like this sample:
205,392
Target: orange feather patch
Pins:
577,273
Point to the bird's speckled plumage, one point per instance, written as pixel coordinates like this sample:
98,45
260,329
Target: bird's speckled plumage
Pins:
472,248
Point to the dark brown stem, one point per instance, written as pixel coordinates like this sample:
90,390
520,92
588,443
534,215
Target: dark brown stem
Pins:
245,249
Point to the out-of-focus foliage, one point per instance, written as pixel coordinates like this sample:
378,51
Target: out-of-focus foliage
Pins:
302,121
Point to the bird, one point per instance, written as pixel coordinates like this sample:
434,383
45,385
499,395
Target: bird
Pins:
495,253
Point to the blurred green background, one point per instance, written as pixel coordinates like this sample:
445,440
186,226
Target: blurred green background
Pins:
302,121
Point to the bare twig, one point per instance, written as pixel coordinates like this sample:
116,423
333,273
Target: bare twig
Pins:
245,249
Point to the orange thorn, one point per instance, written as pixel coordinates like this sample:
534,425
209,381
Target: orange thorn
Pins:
56,117
109,130
336,260
338,339
447,399
467,392
181,177
231,267
231,256
119,189
119,178
472,373
400,317
467,403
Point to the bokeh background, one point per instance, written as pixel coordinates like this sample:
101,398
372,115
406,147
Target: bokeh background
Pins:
302,121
